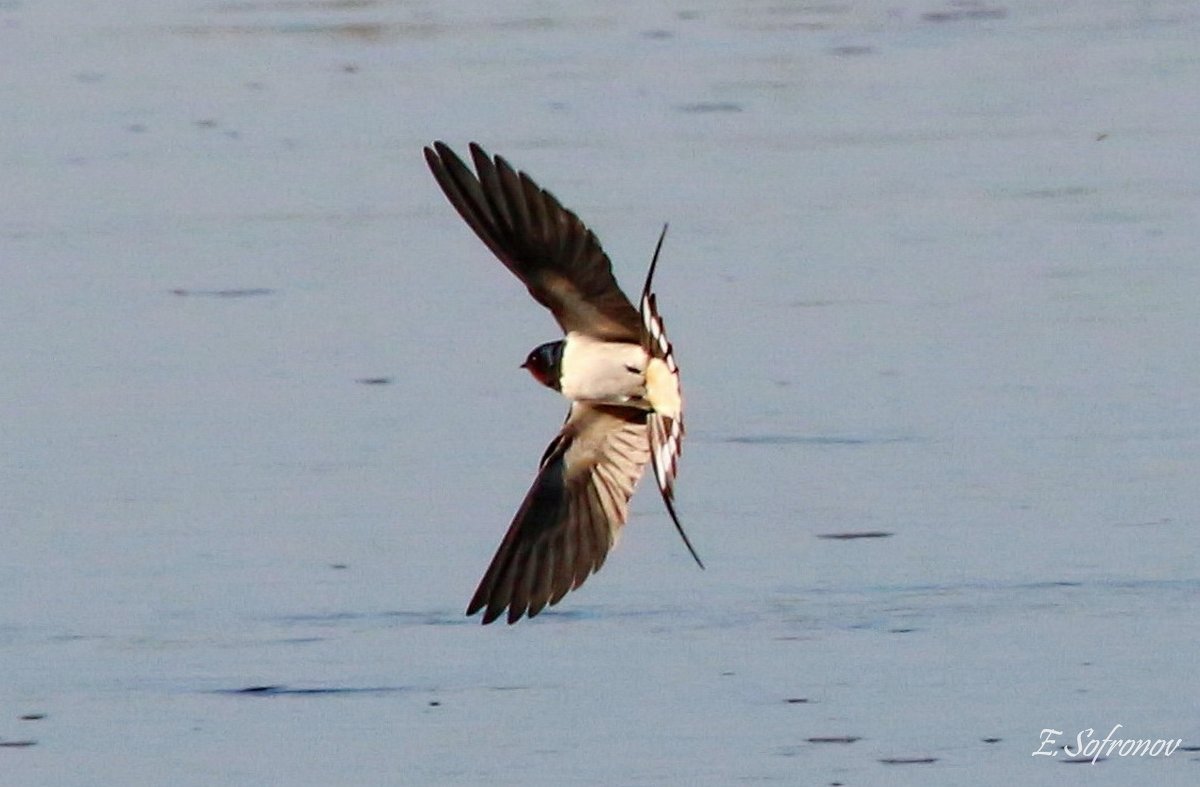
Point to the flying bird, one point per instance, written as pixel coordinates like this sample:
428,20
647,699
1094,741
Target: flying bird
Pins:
614,364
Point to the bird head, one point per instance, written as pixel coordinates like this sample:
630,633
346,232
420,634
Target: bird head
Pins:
545,364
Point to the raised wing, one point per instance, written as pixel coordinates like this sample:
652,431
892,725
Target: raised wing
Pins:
571,516
559,260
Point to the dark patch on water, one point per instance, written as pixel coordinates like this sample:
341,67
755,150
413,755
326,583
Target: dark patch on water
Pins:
21,744
966,11
852,50
991,740
445,618
365,31
330,617
246,292
251,690
1059,193
374,380
1151,523
797,700
709,107
296,5
281,690
77,637
818,440
1051,584
853,535
825,303
32,716
802,750
427,618
402,618
908,760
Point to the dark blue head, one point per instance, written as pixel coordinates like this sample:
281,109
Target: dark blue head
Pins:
545,364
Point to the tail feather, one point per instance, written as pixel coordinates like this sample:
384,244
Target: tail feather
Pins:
664,392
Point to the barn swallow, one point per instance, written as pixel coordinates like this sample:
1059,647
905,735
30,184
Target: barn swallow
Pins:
615,366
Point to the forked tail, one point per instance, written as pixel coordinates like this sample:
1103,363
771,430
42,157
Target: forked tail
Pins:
664,393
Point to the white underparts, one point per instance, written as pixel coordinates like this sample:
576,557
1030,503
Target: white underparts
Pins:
618,373
594,370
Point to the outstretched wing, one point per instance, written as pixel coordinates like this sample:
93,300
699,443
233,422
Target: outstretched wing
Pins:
572,514
665,425
559,260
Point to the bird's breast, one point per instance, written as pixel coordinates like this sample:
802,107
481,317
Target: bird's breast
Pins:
594,370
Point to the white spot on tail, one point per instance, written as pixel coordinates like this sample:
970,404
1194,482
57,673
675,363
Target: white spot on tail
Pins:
666,441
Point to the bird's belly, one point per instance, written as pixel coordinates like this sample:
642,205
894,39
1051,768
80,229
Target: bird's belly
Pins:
606,372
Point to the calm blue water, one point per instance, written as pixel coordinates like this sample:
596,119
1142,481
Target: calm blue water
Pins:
931,276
